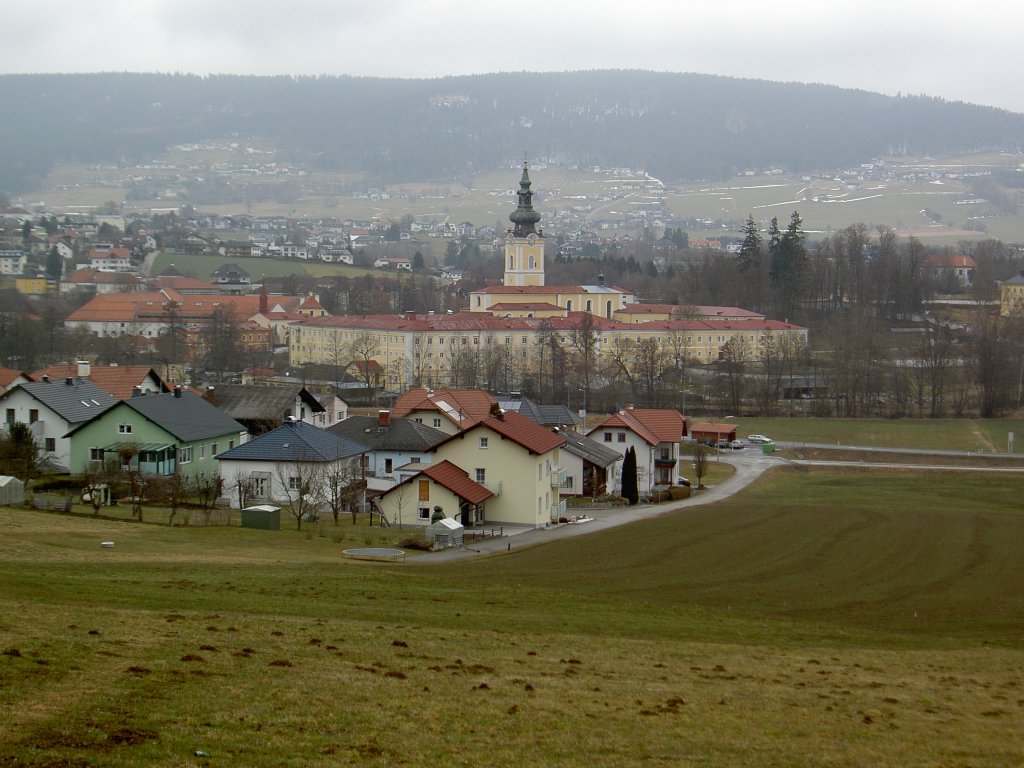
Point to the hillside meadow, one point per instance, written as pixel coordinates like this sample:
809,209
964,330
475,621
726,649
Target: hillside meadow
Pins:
817,618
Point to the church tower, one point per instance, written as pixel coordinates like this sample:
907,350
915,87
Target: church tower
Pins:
524,243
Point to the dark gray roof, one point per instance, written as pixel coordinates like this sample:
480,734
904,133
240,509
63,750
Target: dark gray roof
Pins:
295,441
400,435
188,417
587,449
545,415
77,402
256,402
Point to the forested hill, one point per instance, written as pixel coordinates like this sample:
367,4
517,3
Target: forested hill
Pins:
675,126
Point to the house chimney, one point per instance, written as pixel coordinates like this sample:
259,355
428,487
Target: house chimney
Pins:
264,303
46,378
177,392
410,314
69,380
383,418
84,369
209,392
136,392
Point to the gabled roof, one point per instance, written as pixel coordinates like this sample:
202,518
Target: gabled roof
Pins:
653,425
118,380
295,441
398,435
519,429
949,261
7,375
462,407
261,402
187,418
545,415
589,450
77,402
455,479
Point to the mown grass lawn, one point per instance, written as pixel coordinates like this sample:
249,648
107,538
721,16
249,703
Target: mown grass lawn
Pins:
818,618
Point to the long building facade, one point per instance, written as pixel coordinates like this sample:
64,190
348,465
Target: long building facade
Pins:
510,328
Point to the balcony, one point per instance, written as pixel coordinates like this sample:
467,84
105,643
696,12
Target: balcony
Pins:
558,477
557,511
494,488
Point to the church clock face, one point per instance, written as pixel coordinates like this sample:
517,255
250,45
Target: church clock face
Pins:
531,240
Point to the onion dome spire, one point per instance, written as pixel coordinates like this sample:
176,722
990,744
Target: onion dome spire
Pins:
524,218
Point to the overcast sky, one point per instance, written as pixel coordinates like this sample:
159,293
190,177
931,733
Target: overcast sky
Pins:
963,51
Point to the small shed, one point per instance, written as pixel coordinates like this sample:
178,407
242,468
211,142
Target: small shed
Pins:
265,517
12,491
446,532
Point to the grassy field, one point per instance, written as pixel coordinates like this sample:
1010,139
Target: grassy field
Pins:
200,267
981,435
805,621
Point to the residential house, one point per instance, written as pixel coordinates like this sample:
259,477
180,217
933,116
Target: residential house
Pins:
121,381
52,408
10,378
110,258
393,262
13,262
231,278
263,407
335,409
292,459
951,271
391,443
450,410
655,433
176,432
91,280
517,460
589,466
443,485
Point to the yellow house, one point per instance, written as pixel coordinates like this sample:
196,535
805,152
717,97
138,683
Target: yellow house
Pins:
30,286
518,461
444,485
1011,296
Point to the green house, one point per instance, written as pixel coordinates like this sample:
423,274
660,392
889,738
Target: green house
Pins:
174,432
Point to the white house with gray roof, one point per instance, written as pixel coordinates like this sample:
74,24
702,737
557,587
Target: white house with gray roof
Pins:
273,466
52,408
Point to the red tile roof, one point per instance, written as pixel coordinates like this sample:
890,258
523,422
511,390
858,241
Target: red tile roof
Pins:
118,380
456,480
7,375
153,307
653,425
463,407
523,431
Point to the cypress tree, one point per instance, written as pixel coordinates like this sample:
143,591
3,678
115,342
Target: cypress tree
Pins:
630,492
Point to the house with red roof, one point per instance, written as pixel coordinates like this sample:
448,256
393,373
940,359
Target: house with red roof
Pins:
450,410
121,381
10,378
443,485
951,268
517,460
655,434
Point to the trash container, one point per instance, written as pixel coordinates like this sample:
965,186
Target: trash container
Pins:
768,448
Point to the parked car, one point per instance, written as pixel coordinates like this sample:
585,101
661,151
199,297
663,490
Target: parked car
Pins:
758,439
682,481
724,444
